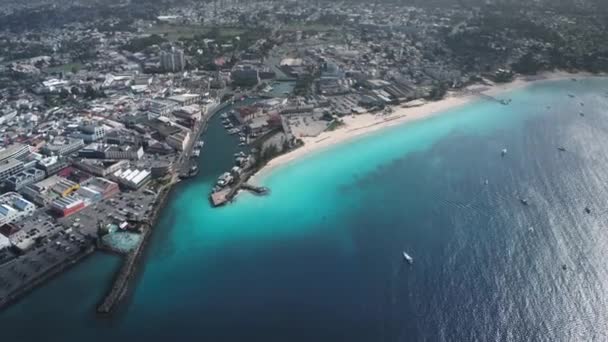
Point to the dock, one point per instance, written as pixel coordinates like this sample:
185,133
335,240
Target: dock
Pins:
221,197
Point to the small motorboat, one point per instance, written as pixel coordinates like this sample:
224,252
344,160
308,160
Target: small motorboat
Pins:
587,210
581,114
561,149
503,152
486,182
564,267
408,258
524,201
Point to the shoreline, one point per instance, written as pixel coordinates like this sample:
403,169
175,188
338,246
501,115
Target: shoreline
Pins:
363,124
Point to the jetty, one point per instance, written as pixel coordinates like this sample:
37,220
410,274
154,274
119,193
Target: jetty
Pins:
257,190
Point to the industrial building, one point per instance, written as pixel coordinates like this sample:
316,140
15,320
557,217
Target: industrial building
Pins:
67,206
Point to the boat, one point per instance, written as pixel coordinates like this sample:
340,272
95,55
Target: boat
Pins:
524,201
561,149
193,171
196,152
581,114
571,95
224,116
408,258
587,210
486,182
503,152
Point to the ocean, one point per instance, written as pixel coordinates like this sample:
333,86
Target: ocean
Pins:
320,258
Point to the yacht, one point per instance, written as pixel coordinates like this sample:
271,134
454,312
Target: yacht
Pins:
408,258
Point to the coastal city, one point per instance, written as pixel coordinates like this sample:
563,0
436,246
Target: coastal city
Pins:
103,112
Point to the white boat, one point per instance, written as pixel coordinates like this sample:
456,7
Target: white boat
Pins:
201,144
503,152
408,258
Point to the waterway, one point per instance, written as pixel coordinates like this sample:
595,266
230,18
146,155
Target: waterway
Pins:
320,258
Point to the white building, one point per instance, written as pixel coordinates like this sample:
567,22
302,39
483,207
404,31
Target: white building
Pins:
172,61
179,141
132,178
13,207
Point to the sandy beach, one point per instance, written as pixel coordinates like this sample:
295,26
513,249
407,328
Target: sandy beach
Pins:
358,125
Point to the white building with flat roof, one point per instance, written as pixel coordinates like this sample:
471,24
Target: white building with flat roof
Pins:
13,207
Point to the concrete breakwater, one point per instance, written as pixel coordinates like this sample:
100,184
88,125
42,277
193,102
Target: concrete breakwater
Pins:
121,282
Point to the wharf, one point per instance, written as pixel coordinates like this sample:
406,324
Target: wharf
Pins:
220,197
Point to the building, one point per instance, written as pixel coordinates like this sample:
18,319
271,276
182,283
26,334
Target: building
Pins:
24,178
179,141
172,61
62,146
186,99
10,167
103,186
51,165
124,152
191,112
132,178
157,108
65,187
67,206
90,133
13,207
42,192
98,167
98,151
15,151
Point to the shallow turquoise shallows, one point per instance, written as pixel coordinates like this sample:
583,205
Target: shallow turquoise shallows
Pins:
320,258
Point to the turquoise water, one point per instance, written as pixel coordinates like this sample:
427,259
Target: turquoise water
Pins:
320,258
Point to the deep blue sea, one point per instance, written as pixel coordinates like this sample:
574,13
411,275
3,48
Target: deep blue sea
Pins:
320,258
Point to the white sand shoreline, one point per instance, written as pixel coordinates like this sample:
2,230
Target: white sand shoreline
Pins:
356,126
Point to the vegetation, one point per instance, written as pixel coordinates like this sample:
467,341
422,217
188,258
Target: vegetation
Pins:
139,44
